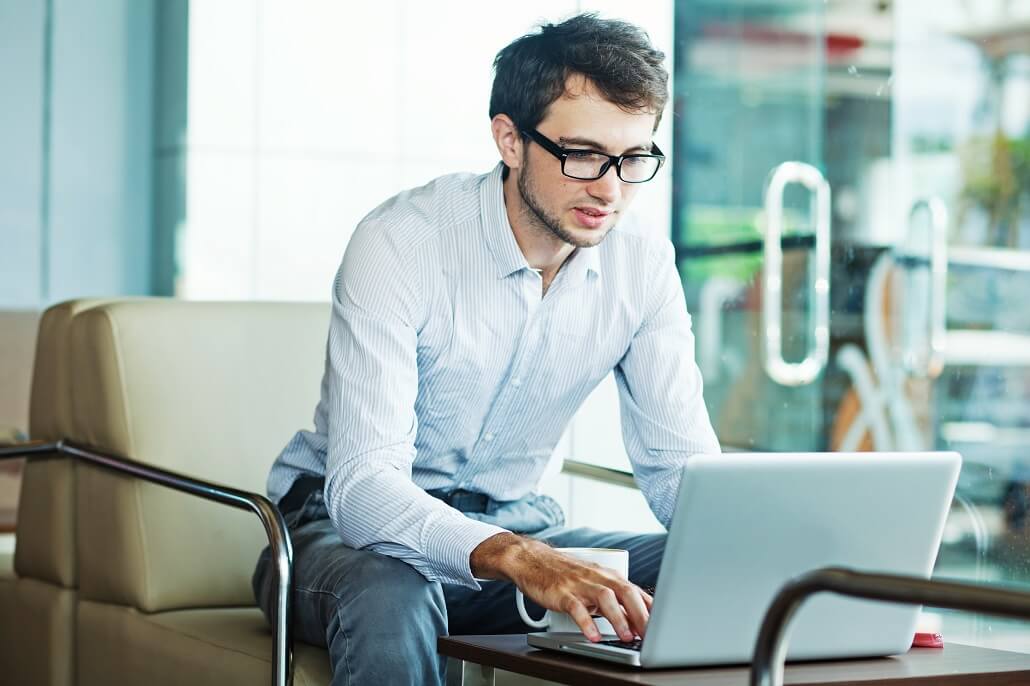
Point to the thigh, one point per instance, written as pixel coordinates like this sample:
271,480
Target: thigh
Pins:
333,582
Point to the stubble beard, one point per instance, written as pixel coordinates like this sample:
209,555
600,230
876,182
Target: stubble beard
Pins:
545,222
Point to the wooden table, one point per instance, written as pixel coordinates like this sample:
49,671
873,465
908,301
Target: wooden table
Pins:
473,659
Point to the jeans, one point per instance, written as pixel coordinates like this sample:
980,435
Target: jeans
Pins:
379,618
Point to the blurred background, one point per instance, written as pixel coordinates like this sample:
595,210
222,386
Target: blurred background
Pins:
225,149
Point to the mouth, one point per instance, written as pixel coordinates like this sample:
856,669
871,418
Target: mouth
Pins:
590,217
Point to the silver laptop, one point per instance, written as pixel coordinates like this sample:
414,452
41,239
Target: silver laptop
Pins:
746,523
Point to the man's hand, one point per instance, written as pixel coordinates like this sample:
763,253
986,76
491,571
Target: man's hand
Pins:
564,584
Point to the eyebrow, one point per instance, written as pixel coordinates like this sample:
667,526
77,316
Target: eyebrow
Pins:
587,142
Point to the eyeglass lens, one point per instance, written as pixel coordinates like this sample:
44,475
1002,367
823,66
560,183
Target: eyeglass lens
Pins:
588,165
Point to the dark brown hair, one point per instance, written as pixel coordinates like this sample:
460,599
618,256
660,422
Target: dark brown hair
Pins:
617,57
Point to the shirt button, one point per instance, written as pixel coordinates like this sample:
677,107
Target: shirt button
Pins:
488,437
516,382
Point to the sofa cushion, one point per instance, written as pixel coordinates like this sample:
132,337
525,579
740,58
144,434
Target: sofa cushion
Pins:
46,548
36,628
212,390
195,647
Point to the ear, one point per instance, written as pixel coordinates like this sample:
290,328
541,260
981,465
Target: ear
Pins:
508,140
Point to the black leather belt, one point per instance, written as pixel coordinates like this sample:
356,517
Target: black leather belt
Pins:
299,492
460,499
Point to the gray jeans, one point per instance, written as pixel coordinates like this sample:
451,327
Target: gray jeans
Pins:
380,619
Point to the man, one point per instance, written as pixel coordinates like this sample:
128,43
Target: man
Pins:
471,318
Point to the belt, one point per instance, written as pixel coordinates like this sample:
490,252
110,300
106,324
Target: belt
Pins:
299,492
459,499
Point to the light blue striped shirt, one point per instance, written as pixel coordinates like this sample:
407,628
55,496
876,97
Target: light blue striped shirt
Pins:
445,368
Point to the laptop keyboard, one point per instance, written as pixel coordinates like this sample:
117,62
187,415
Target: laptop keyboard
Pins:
631,645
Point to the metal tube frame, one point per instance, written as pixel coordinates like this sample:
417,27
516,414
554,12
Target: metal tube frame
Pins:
605,475
275,526
771,646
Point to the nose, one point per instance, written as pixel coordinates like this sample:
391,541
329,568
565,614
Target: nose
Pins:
608,188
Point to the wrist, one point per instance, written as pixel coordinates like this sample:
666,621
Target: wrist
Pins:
497,557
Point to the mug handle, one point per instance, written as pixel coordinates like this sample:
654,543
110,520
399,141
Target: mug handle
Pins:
520,605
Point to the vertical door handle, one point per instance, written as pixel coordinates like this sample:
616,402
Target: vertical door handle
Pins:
938,285
778,369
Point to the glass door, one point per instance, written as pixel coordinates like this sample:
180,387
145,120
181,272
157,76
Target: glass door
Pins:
961,162
916,115
751,217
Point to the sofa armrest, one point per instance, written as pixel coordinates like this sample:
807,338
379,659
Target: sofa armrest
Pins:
271,518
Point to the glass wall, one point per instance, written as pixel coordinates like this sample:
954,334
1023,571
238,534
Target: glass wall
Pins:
913,118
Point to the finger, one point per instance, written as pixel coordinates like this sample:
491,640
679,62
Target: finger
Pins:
648,599
608,606
583,620
636,608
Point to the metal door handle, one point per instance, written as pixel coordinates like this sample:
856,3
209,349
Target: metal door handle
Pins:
778,369
938,285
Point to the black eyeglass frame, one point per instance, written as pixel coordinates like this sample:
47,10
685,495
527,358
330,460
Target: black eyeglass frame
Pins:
563,154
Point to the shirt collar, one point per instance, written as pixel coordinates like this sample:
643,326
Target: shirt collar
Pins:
500,239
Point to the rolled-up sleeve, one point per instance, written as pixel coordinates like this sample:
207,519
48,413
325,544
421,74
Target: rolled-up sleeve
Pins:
664,418
377,311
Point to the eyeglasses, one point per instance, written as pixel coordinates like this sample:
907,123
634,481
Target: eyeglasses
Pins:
588,165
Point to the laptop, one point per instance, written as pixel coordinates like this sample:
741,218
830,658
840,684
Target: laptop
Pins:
746,523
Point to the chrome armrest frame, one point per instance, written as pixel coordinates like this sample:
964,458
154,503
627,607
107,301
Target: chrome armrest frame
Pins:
771,646
271,518
606,475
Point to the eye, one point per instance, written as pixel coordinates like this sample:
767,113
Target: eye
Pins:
581,154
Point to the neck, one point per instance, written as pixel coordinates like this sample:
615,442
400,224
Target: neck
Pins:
544,251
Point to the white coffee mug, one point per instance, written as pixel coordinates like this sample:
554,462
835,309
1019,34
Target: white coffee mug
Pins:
615,560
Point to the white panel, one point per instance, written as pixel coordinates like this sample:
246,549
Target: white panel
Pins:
223,63
308,209
448,52
414,173
610,508
330,76
596,428
216,242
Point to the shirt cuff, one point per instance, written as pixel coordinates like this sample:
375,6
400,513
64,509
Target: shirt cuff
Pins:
449,547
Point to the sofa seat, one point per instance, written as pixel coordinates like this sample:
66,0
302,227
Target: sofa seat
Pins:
216,647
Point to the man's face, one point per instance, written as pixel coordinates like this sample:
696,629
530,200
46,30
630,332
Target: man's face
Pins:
581,213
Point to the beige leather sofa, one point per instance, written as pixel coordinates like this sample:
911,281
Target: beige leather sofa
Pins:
121,581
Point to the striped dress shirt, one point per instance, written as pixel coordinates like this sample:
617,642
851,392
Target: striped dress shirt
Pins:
446,367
